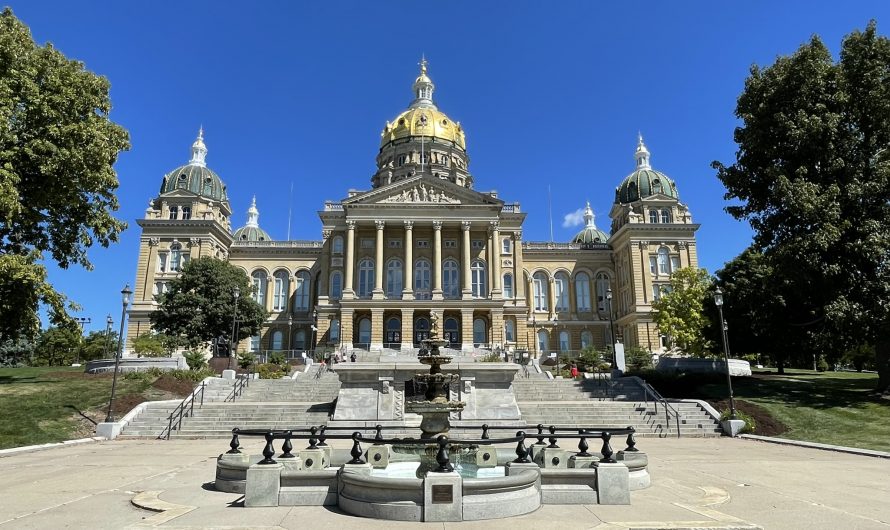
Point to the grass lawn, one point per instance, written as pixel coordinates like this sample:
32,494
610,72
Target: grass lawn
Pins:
42,405
825,407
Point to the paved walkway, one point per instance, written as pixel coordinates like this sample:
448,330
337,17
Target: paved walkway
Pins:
697,483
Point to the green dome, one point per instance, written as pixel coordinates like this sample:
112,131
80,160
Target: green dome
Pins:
251,233
644,183
590,234
197,179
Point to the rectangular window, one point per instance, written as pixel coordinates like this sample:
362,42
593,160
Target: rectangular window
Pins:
656,292
423,243
394,243
507,247
174,212
653,265
449,243
478,244
162,262
367,242
675,263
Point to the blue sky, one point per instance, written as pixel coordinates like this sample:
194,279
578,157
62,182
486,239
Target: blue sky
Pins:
549,93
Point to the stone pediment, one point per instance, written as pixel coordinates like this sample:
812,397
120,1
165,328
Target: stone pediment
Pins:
659,197
422,191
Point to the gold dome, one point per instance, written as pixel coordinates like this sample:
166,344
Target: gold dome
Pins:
425,121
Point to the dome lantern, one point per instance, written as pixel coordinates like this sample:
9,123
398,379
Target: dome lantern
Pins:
199,150
195,176
590,234
644,181
423,88
252,231
641,154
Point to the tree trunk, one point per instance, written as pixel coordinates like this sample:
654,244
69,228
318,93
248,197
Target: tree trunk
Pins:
882,363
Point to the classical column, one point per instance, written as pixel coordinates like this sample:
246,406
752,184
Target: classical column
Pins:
437,260
377,331
408,288
378,265
551,296
407,329
496,259
291,289
466,330
270,284
347,317
465,258
518,273
348,291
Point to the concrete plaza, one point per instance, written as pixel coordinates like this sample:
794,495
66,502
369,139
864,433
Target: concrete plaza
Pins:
696,483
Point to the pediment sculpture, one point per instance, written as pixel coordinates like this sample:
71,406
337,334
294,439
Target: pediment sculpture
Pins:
422,193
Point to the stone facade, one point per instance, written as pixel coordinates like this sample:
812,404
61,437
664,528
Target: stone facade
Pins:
422,242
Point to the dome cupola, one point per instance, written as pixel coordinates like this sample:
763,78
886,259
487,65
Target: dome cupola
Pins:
644,181
195,176
590,234
252,231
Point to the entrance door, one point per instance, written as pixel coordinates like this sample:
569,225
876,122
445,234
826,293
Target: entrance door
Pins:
394,332
421,330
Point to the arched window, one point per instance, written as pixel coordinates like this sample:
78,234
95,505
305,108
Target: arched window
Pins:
422,330
422,280
508,285
563,341
186,212
175,257
174,212
300,340
364,331
602,288
336,285
653,216
452,334
509,330
665,216
335,331
337,245
586,339
259,288
543,340
539,281
663,261
277,340
393,331
478,276
394,278
301,294
561,292
479,334
582,291
365,277
280,292
450,279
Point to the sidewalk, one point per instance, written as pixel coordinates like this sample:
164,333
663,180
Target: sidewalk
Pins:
697,483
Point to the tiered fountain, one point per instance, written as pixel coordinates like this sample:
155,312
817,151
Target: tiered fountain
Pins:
437,408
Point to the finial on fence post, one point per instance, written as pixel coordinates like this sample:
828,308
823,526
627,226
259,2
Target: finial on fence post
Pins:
631,441
521,451
356,451
607,449
269,450
442,456
235,444
287,446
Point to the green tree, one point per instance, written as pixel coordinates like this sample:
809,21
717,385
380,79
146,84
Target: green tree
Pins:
679,312
98,345
57,347
149,345
15,352
812,176
200,304
57,181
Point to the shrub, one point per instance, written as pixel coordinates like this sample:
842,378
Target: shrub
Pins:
491,357
590,359
195,360
822,365
245,360
750,424
194,376
637,359
277,358
270,371
154,371
137,376
149,345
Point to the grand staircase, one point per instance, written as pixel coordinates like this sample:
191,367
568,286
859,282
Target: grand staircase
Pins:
264,404
600,402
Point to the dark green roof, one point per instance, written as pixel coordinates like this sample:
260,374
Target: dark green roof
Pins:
197,179
590,234
644,183
251,233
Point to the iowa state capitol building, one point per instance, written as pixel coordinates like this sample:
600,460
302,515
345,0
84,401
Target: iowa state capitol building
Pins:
423,242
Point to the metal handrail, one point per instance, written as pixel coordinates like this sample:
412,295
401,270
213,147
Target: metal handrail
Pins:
179,411
241,382
668,409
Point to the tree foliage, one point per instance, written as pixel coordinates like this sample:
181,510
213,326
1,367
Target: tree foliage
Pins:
812,176
57,182
57,347
679,313
99,345
149,345
200,304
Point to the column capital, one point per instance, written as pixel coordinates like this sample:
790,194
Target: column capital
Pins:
517,235
154,241
437,225
350,224
465,226
409,225
325,234
494,226
379,224
681,244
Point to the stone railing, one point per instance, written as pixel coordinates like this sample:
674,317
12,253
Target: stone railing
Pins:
547,245
330,206
279,244
511,208
135,365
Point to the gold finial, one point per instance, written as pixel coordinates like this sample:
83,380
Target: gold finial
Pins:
201,132
423,63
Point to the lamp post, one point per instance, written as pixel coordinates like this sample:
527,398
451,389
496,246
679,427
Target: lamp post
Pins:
718,301
535,334
290,333
236,293
314,330
125,300
611,327
108,323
